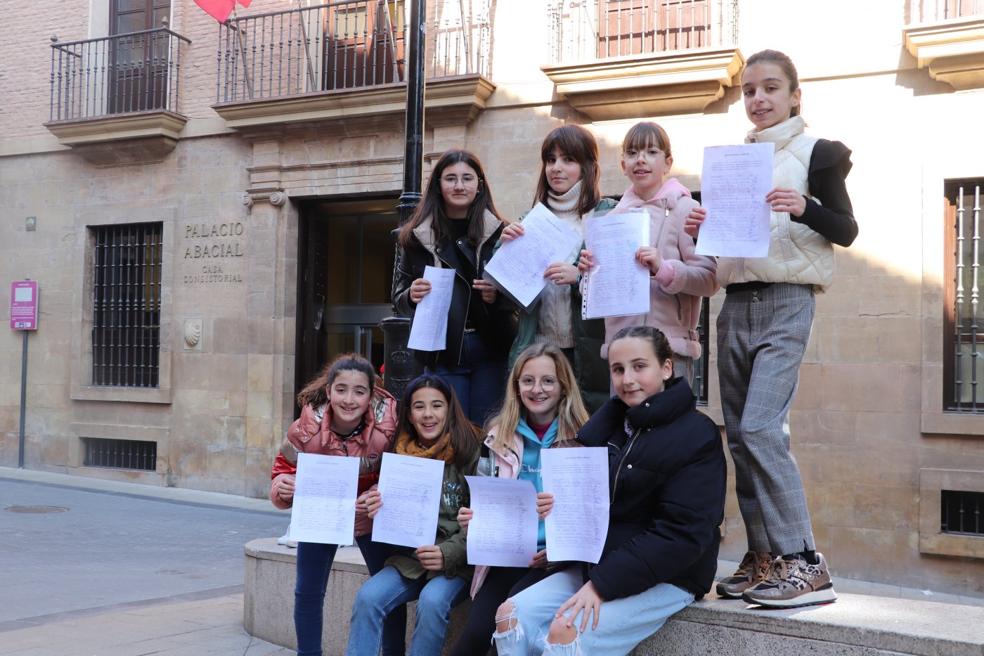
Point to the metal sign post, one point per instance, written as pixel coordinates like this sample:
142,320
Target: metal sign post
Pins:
23,317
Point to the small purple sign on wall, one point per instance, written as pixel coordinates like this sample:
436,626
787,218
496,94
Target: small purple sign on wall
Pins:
24,305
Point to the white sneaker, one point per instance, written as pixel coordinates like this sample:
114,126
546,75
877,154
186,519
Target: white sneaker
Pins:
285,541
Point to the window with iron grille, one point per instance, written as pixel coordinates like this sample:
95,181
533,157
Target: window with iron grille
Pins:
120,454
963,331
126,304
962,512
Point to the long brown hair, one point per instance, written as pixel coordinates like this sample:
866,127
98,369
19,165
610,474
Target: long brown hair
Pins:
571,413
580,145
464,435
315,393
432,204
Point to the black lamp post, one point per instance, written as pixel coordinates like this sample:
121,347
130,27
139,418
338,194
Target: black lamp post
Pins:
400,365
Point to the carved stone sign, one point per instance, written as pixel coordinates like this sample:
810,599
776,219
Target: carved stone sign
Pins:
217,249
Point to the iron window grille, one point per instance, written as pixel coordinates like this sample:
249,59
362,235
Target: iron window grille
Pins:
963,332
962,512
126,304
120,454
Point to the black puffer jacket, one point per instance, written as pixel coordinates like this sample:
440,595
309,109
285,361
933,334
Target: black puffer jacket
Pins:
666,485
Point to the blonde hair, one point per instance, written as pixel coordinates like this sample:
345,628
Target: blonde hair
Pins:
571,413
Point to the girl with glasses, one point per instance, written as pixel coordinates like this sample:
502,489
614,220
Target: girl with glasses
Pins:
456,226
679,277
542,409
667,478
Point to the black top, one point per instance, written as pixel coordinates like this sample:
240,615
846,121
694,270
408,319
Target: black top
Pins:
495,322
834,218
458,233
667,480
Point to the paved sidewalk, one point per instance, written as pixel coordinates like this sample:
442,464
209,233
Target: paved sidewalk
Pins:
176,627
90,567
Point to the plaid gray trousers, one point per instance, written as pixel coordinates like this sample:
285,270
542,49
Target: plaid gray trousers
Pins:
761,337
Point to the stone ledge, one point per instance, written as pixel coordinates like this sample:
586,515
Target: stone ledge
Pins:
133,138
268,598
447,101
952,51
665,83
857,625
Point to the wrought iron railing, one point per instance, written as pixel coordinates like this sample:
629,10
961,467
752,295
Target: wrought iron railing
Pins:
119,74
588,30
349,44
933,11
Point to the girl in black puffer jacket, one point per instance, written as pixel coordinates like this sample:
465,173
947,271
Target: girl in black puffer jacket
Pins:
667,478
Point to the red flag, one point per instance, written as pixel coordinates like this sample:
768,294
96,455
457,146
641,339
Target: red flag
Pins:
217,9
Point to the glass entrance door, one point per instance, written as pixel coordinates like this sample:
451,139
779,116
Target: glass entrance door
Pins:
345,274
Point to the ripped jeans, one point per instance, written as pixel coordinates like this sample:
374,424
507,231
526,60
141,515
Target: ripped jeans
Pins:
623,624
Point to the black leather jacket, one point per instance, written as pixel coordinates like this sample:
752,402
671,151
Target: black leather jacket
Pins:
495,323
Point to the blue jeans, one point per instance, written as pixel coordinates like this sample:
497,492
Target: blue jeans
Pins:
479,381
389,589
624,622
313,566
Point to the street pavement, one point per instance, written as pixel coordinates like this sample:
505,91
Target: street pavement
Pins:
91,567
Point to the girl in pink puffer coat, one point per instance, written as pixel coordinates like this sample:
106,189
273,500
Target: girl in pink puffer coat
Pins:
679,278
343,413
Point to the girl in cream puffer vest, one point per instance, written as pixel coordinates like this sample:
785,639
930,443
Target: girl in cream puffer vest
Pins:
763,330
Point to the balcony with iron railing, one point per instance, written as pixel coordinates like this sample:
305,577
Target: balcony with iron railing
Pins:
120,88
347,59
947,39
616,58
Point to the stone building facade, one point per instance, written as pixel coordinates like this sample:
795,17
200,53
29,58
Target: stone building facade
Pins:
265,159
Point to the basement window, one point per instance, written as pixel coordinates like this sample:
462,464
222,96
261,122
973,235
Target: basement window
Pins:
962,513
120,454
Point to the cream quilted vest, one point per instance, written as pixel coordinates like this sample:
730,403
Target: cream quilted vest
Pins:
797,254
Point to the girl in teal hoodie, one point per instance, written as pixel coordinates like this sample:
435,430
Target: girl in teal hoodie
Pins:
542,409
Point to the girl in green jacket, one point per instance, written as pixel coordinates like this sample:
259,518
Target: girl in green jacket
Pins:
432,425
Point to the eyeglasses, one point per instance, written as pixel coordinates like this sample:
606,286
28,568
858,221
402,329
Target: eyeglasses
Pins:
453,180
547,383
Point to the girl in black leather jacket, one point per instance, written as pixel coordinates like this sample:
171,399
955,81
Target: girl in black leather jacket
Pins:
456,226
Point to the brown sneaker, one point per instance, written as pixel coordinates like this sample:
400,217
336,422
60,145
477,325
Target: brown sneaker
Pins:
793,583
754,567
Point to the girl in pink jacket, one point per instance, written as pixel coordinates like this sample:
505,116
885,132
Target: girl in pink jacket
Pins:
343,413
679,278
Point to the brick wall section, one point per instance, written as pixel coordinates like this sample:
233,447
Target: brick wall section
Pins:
25,84
25,50
198,65
25,87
